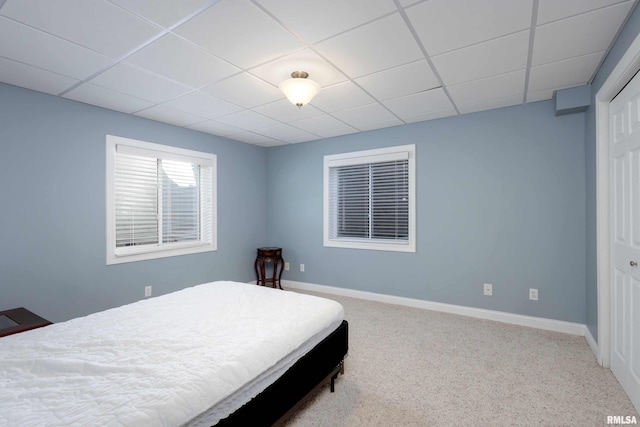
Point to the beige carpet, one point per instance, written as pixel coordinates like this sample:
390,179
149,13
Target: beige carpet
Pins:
413,367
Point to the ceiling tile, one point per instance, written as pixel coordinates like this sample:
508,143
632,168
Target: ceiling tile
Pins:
540,95
400,81
499,86
254,138
129,79
571,72
587,33
284,111
364,117
316,20
33,47
162,113
201,104
216,128
490,105
484,60
95,95
287,134
244,90
445,25
163,12
552,10
408,107
545,94
95,24
382,44
274,143
277,71
320,125
432,115
346,130
379,125
239,32
341,97
18,74
181,61
248,120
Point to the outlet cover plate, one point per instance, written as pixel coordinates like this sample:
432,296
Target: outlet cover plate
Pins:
488,289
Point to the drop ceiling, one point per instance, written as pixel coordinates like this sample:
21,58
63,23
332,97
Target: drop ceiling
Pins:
215,66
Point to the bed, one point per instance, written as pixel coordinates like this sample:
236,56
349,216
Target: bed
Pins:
221,353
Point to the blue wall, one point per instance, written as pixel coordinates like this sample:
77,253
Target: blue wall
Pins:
52,235
625,38
506,196
500,199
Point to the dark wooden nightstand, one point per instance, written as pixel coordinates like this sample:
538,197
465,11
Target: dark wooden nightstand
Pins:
19,320
273,255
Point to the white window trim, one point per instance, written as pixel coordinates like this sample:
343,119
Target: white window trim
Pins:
369,156
131,254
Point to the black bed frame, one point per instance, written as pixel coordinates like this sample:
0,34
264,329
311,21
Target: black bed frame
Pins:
277,402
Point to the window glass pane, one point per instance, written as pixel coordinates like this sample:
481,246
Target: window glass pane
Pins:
353,201
390,190
371,200
207,210
136,197
180,201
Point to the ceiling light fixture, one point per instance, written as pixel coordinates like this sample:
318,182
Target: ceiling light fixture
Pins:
298,89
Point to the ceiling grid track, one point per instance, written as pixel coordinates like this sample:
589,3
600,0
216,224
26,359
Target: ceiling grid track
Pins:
426,54
216,66
532,36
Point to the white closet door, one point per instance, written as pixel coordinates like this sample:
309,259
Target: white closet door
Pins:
625,238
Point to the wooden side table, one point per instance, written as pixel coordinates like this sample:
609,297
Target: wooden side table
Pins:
273,255
19,320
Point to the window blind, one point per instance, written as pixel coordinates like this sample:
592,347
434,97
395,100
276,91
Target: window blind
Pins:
180,201
160,201
136,193
370,201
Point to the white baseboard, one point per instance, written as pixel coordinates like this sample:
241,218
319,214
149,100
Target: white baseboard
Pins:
593,344
480,313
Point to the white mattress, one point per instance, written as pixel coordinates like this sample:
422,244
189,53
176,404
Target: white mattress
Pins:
163,361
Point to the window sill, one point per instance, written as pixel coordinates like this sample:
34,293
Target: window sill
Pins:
371,245
121,256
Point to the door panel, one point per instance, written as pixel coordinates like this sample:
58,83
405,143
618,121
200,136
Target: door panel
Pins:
634,113
635,198
619,220
634,324
619,313
625,238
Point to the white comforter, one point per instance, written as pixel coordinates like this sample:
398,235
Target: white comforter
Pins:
160,361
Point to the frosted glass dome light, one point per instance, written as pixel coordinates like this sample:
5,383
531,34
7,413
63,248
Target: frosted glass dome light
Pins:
299,89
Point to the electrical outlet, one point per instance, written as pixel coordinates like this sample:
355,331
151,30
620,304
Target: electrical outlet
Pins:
286,266
147,291
533,294
302,267
488,289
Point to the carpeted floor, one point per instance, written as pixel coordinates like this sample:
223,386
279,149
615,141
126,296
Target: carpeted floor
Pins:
414,367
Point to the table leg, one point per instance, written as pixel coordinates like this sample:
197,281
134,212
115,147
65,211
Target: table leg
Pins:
281,262
263,273
255,266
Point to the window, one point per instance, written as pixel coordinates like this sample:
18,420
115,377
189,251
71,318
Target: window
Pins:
161,201
369,199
